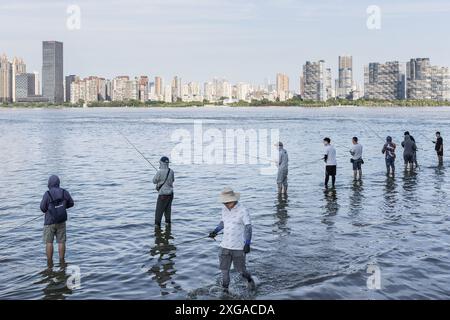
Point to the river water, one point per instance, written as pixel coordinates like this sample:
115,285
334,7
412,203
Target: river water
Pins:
314,244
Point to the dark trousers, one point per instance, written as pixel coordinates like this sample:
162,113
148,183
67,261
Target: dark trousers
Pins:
163,206
330,171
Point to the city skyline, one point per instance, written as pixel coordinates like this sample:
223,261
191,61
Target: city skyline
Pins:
200,40
392,80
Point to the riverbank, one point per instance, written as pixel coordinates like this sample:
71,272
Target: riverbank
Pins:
295,102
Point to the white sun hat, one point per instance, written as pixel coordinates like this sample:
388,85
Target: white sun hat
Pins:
228,195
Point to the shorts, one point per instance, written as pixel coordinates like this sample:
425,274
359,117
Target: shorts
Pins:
55,230
282,176
330,170
357,164
408,157
228,256
390,162
440,153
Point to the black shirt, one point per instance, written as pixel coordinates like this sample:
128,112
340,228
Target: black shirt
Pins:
439,143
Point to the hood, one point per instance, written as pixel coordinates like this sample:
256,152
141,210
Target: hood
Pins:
163,165
407,138
53,182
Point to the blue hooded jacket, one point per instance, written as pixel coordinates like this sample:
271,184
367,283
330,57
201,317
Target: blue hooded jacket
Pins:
56,193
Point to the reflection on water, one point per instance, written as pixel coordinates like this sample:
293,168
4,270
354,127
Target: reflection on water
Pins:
55,282
390,194
281,213
356,197
163,269
331,206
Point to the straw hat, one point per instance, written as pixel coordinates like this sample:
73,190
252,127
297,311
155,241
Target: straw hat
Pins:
228,195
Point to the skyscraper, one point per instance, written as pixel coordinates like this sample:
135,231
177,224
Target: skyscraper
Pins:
5,79
282,86
18,67
384,81
69,80
345,77
52,71
158,87
25,86
315,81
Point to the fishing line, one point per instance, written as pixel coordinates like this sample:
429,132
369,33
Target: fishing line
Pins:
135,148
24,223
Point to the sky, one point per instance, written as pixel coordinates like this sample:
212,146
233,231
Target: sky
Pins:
240,40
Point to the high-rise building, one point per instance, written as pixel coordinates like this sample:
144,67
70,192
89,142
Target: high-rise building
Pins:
384,81
143,88
90,89
37,83
119,88
176,88
18,67
315,81
25,86
5,79
69,79
52,71
345,77
158,87
282,86
329,84
425,81
440,83
168,94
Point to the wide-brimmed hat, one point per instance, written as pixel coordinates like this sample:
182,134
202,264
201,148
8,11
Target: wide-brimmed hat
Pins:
228,195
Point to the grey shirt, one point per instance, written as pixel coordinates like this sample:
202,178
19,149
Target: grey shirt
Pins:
160,176
283,160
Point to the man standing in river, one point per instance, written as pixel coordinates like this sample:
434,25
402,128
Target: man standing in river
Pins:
330,162
164,180
54,204
356,152
439,147
237,236
282,177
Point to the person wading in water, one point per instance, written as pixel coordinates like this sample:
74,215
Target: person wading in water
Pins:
409,151
164,179
439,147
330,162
237,236
282,177
54,204
389,152
356,151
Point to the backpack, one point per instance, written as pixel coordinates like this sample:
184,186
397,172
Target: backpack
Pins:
57,208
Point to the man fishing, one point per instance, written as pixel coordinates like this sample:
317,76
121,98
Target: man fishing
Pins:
415,152
389,152
330,162
164,179
356,152
237,236
54,204
282,177
439,147
409,151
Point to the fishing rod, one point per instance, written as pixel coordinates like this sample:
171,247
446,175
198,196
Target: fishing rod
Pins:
135,148
194,240
24,223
